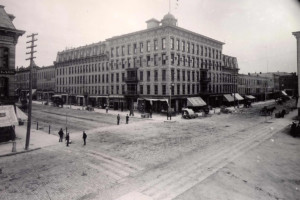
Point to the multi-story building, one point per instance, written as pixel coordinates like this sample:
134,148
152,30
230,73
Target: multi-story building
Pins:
45,82
254,85
22,81
289,83
146,68
8,39
82,74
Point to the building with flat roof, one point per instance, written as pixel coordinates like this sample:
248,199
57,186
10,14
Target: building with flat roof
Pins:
8,40
254,85
146,69
45,82
22,81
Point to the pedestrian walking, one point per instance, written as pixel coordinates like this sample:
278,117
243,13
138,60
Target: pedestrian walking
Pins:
67,139
106,109
84,136
127,119
61,135
150,113
118,119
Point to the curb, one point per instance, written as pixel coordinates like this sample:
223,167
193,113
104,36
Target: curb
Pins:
19,152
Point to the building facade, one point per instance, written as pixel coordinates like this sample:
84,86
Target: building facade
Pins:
45,82
254,85
8,40
22,81
146,69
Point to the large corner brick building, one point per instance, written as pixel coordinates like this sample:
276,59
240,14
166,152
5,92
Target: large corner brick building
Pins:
8,39
147,68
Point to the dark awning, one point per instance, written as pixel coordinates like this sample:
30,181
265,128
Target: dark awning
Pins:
228,97
195,102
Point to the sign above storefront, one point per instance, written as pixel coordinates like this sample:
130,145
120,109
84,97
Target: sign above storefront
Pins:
7,71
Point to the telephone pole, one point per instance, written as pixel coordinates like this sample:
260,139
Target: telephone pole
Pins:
31,47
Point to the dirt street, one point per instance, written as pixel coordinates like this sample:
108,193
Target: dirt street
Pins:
224,156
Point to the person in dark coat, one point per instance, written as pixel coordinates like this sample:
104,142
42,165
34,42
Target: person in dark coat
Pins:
293,129
283,112
127,119
84,136
68,139
61,135
106,109
118,119
150,112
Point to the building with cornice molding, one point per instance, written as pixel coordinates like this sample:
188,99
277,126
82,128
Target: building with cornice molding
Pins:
147,68
8,40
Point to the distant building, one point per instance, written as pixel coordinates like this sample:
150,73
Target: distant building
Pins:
22,81
8,39
45,82
254,85
145,69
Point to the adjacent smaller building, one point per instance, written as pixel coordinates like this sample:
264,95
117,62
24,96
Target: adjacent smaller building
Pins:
45,82
254,85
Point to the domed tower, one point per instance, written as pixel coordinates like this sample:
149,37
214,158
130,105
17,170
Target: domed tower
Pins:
169,19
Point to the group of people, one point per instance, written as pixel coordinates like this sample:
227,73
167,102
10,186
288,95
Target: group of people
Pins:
295,129
61,136
118,119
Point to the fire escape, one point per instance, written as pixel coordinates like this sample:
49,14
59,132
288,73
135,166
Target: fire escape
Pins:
131,80
204,81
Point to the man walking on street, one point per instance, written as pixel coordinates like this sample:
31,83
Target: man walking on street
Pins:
67,139
127,119
61,135
84,136
106,109
118,119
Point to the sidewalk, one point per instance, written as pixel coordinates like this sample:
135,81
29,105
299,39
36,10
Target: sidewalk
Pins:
38,139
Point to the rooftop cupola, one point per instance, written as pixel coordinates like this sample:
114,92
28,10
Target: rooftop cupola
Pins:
169,19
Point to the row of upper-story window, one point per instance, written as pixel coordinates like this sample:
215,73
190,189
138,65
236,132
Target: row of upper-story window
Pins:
163,59
147,89
246,81
175,44
85,68
102,67
24,76
180,75
45,75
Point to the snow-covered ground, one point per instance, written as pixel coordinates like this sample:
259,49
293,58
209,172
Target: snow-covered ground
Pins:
221,156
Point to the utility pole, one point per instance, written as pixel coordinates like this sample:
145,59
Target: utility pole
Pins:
31,47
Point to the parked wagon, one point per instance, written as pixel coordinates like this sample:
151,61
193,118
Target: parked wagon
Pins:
188,114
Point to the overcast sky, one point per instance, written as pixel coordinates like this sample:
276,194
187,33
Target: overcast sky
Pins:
257,32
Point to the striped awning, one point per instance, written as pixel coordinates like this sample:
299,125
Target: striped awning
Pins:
195,102
249,97
284,93
237,96
228,97
8,116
